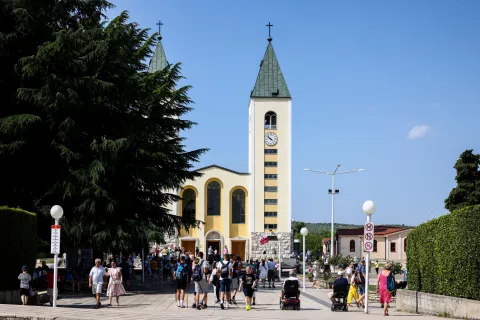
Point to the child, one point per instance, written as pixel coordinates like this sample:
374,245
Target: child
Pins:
248,283
25,279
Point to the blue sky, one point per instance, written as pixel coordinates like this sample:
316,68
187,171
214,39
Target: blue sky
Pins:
362,75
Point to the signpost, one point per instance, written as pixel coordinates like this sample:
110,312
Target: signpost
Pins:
368,236
55,240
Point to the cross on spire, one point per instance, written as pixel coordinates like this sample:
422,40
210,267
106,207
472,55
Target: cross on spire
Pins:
159,24
269,25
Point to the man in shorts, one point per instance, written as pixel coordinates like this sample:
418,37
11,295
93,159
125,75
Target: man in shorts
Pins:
226,269
199,272
97,281
248,283
180,276
360,274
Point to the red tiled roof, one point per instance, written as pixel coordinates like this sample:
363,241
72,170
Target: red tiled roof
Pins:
379,231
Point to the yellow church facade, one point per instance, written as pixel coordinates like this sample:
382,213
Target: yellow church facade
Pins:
237,208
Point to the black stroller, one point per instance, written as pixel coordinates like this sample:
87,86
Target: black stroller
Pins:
339,299
290,296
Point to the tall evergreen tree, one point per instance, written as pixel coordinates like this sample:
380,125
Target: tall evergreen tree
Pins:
101,130
467,191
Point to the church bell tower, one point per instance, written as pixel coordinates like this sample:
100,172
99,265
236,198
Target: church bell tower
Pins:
270,152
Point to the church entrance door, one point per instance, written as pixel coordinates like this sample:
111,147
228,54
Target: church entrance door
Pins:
189,245
215,245
238,248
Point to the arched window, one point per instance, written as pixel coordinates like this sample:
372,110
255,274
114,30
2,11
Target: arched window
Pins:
374,245
270,120
352,245
238,206
189,203
213,198
405,245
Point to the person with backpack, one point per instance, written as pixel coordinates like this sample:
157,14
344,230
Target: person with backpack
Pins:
181,279
236,268
385,286
199,278
226,271
215,280
360,281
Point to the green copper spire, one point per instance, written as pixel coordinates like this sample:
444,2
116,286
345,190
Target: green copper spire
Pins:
270,81
159,59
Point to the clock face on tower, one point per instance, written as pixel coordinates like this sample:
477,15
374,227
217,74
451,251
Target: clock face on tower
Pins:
271,139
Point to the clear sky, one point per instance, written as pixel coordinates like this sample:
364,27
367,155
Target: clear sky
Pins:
389,86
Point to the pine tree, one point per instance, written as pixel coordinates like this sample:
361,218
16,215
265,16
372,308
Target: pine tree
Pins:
467,191
98,133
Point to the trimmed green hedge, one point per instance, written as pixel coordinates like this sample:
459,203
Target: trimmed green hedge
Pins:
18,237
443,255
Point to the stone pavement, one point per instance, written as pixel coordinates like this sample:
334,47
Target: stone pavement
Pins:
151,300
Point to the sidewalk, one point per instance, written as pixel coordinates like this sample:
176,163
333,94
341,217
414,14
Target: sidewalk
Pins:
151,300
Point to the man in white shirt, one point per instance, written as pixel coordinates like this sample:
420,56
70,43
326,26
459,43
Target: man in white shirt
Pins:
226,271
97,280
271,266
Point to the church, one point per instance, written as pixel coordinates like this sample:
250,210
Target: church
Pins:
238,208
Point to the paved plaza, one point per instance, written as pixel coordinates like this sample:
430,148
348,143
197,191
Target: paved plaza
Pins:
151,300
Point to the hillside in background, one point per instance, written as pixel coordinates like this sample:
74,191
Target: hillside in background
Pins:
325,227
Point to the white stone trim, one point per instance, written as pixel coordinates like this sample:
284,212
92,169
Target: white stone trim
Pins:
251,166
205,240
289,159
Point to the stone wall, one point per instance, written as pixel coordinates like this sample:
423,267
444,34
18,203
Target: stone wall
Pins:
434,304
272,246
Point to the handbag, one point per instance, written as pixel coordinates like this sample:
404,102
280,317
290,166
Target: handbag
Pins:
118,281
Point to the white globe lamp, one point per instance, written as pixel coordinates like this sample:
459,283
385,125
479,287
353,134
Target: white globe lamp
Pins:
56,212
303,231
369,207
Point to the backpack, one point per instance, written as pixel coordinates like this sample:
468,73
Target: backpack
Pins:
235,269
391,284
359,277
198,272
209,269
181,271
224,270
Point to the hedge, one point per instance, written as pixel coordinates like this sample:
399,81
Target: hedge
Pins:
443,255
18,237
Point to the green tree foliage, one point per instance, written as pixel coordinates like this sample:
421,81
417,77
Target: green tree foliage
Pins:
89,128
18,235
443,255
297,226
467,191
313,241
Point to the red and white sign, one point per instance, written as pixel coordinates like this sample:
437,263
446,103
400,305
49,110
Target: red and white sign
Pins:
264,238
368,235
55,240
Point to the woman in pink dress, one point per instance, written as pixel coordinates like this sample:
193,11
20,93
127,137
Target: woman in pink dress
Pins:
115,286
385,295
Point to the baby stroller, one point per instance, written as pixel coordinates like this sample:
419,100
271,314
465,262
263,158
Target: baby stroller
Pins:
290,296
339,299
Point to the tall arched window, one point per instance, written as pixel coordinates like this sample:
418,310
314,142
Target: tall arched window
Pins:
189,203
352,245
270,120
238,206
213,198
374,245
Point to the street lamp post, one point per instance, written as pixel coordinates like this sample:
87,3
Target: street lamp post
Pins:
56,212
369,209
279,258
304,232
333,192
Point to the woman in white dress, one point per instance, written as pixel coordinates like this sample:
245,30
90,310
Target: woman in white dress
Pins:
115,286
263,272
